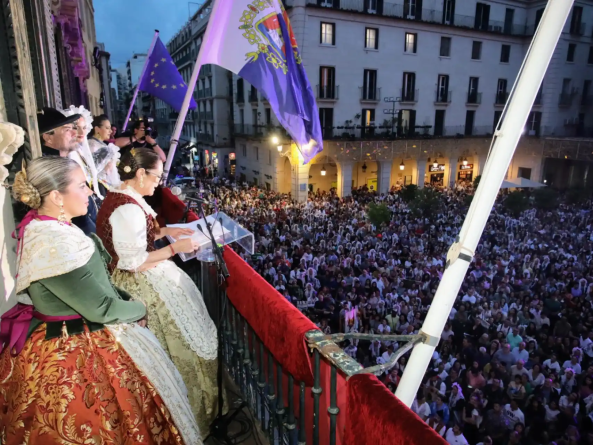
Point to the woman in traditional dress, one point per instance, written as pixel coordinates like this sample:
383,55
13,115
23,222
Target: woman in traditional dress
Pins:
105,154
77,365
176,309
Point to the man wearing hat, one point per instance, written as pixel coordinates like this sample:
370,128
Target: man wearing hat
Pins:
58,134
58,137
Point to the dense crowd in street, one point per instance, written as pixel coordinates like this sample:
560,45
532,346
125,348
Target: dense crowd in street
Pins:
515,362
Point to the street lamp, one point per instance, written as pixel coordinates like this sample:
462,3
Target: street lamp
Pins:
435,164
323,172
464,161
279,148
402,165
275,140
364,167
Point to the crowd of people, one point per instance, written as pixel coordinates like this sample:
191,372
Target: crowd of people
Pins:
515,361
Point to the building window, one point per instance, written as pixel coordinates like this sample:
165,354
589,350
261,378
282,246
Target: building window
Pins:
445,47
476,50
505,53
473,96
327,82
254,116
501,92
482,17
590,58
411,43
244,150
268,116
576,25
269,157
369,85
572,47
328,34
497,116
524,173
448,12
442,89
469,122
326,119
408,92
371,38
413,9
240,91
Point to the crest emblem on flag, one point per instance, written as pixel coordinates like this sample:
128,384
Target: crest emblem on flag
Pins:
262,28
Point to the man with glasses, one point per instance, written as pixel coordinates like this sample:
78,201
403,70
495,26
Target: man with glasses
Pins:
58,132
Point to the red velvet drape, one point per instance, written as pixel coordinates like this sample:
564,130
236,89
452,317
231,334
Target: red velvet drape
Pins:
278,324
376,416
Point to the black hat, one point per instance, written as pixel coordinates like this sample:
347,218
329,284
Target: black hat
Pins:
49,119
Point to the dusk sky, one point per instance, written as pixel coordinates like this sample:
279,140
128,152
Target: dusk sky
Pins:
127,26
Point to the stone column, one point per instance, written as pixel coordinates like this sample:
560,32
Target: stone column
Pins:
453,164
384,176
344,178
420,172
300,181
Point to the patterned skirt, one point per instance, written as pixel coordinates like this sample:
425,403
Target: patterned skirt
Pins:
178,317
82,389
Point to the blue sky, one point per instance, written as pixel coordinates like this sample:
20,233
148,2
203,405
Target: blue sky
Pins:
127,26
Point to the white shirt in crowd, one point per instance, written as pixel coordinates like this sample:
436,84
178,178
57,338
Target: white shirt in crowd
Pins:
452,439
423,411
513,417
551,366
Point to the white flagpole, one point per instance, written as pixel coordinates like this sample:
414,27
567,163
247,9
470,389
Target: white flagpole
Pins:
506,138
187,99
156,36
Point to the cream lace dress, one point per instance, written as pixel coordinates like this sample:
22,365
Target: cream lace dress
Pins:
177,314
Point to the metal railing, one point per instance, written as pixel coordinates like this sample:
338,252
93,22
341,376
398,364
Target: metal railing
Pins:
421,14
408,96
443,97
474,98
578,28
384,132
501,98
253,96
565,99
259,130
185,59
326,92
370,94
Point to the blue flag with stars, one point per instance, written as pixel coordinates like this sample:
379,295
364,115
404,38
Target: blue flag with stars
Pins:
161,78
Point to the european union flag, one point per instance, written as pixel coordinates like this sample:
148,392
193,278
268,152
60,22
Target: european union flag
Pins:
161,78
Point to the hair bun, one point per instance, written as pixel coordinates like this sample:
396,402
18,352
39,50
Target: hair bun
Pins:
25,192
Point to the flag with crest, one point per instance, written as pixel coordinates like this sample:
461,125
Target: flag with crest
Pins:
162,79
254,39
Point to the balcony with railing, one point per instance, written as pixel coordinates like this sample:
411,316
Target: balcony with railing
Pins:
565,99
328,92
474,98
389,132
443,97
370,94
425,15
409,96
253,97
501,98
578,28
205,70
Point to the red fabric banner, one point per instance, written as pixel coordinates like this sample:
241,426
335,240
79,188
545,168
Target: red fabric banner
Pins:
376,416
278,324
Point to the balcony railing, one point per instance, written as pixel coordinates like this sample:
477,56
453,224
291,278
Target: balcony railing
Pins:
578,29
325,92
370,95
259,130
501,98
443,97
418,14
253,96
185,59
565,99
474,98
388,132
408,96
241,97
204,137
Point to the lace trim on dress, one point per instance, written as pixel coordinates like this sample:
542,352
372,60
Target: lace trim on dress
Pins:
186,305
144,348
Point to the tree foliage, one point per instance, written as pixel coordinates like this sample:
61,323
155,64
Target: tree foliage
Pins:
516,203
426,204
545,198
409,192
378,214
477,181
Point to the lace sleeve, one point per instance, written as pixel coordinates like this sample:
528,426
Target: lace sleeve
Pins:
128,224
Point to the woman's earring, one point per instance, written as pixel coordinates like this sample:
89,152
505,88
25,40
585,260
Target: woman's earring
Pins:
142,181
62,215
